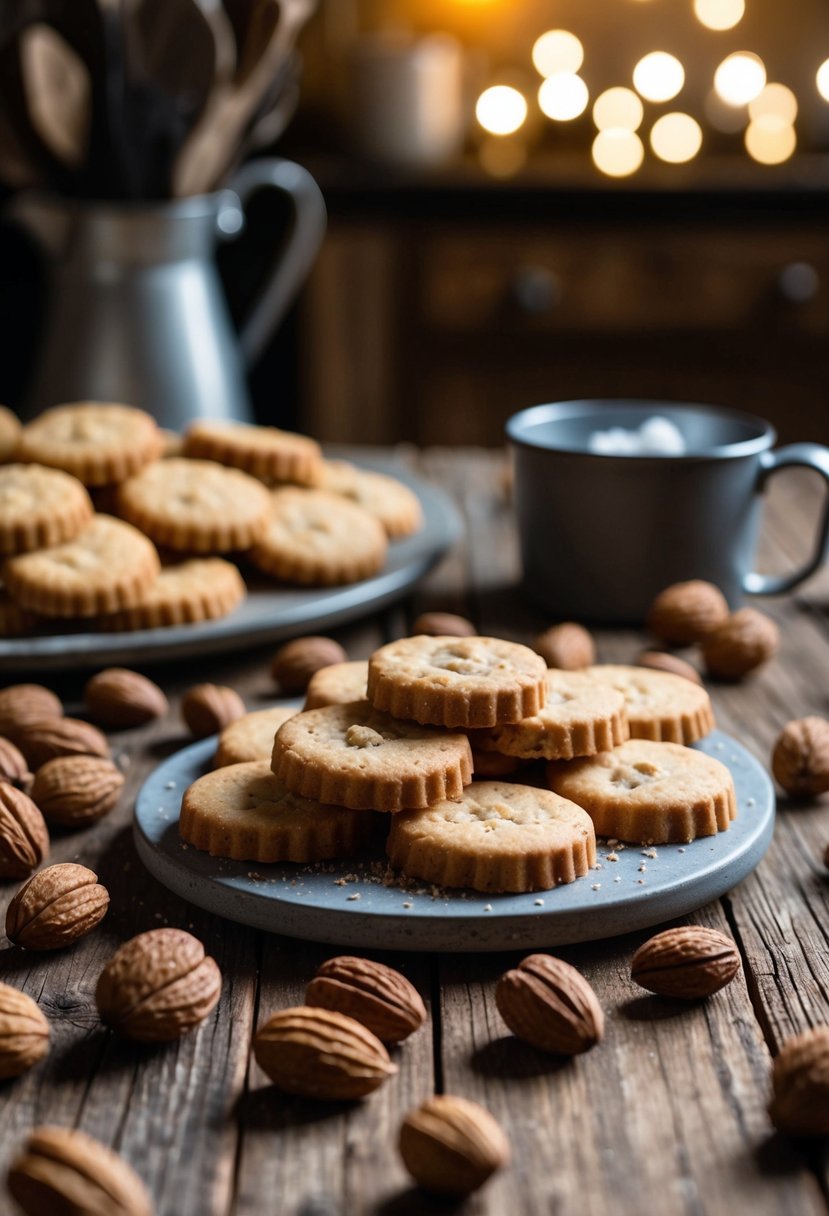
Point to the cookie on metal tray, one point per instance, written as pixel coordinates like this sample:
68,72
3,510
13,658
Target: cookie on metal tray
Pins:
244,812
498,837
39,507
109,566
196,506
451,681
202,589
265,452
353,756
251,737
659,705
319,540
389,500
650,793
97,442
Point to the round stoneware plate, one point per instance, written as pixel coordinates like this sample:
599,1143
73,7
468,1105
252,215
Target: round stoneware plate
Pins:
346,903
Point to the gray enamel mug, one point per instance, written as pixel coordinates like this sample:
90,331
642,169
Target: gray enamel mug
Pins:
602,534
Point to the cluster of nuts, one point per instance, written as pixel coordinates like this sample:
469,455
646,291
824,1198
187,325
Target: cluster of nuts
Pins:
695,613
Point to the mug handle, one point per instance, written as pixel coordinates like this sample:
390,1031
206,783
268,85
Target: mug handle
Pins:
295,259
804,455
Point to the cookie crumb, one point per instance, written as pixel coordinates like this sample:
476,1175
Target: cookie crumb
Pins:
407,904
354,895
539,903
487,907
597,886
649,853
612,857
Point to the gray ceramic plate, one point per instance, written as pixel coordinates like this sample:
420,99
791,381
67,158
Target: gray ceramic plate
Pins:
269,613
347,905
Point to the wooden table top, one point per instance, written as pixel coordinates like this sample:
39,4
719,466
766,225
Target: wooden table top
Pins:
667,1115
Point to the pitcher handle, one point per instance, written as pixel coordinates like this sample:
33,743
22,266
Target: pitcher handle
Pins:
295,258
803,455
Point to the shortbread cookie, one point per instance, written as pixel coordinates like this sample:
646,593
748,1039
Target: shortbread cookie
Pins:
498,837
450,681
108,567
650,793
389,500
337,684
659,705
99,443
244,812
196,506
202,589
10,429
353,756
493,766
263,451
15,622
580,717
251,737
318,539
39,507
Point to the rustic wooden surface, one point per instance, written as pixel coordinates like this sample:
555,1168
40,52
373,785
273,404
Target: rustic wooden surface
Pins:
667,1115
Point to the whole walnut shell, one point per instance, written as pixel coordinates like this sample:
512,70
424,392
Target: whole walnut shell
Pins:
451,1146
65,1172
24,703
685,613
24,840
378,996
800,1085
687,963
13,766
568,646
208,708
319,1053
45,738
296,661
56,907
24,1032
77,790
443,624
550,1005
663,660
800,760
119,698
745,641
158,986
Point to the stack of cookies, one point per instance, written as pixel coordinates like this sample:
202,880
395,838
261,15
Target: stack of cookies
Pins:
400,736
105,519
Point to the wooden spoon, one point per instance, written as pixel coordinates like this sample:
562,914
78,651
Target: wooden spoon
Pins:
58,92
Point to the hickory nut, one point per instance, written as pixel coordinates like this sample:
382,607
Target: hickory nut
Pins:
550,1005
209,708
158,986
77,790
13,766
687,963
118,698
67,1171
800,1085
21,704
56,907
319,1053
295,662
376,995
567,646
451,1146
662,660
24,840
443,624
685,612
746,640
24,1033
45,738
800,760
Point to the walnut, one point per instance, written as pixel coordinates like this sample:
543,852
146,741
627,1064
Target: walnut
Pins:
567,646
800,760
744,642
685,612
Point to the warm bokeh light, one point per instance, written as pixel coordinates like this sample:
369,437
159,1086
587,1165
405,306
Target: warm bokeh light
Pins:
676,138
823,80
557,51
563,96
722,117
777,100
719,14
502,157
740,78
658,76
501,109
618,107
617,152
770,140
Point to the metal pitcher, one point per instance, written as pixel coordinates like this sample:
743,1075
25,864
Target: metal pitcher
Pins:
137,313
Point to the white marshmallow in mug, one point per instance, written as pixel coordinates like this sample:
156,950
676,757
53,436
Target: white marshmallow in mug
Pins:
656,436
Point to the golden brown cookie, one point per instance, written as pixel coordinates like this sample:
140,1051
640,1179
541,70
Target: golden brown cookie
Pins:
650,793
15,622
497,837
203,589
318,539
353,756
97,442
337,684
196,506
10,429
263,451
580,717
251,737
659,705
39,507
244,812
451,681
389,500
108,567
